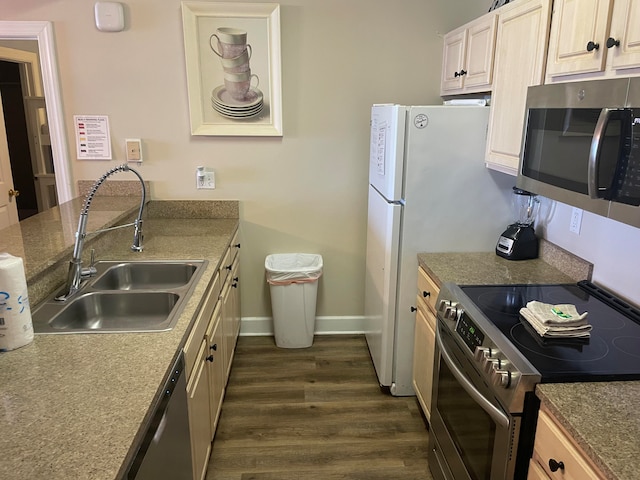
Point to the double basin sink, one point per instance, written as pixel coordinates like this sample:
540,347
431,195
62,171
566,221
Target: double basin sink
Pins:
138,296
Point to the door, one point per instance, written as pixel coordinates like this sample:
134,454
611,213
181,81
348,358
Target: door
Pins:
8,208
383,239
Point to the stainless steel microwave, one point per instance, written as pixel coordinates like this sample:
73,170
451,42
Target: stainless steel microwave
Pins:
581,146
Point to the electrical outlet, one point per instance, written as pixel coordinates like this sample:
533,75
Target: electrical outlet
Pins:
205,178
576,220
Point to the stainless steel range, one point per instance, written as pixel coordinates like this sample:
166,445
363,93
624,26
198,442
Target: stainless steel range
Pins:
488,361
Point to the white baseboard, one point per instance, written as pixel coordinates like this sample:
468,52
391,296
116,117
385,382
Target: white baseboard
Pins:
263,326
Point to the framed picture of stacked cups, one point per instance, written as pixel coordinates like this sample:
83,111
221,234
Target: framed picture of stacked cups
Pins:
232,53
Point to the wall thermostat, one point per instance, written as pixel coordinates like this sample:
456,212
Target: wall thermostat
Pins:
109,16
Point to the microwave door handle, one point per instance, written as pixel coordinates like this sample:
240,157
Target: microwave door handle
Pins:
594,152
495,413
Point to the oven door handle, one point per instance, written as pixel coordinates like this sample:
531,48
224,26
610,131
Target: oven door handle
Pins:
495,413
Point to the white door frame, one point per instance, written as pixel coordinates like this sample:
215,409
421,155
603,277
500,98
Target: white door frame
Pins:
43,33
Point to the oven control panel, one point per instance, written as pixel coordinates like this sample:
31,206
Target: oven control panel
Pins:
485,355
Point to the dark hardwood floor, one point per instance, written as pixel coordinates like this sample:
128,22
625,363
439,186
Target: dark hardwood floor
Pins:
314,413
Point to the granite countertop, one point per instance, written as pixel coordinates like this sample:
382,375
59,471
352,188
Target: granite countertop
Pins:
603,420
601,417
484,268
72,405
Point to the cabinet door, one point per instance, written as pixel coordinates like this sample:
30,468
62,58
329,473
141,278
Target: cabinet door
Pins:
199,422
423,357
216,367
625,28
515,69
577,42
552,444
481,41
453,56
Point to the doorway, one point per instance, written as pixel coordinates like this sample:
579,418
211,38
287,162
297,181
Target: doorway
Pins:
26,127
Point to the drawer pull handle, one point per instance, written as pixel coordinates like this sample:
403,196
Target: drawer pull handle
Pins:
414,309
426,294
210,358
612,42
555,466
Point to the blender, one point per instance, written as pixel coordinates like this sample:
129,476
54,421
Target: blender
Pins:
519,241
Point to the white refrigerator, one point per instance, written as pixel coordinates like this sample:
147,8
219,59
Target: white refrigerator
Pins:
429,191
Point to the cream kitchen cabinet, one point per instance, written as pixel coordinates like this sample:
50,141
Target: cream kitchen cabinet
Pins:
424,340
521,47
208,356
556,455
467,60
230,300
593,39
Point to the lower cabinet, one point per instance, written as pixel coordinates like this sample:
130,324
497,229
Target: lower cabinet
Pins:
199,413
424,340
555,454
216,367
208,353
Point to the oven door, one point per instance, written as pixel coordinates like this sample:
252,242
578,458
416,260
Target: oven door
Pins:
472,436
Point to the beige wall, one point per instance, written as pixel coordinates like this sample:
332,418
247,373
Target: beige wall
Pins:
304,192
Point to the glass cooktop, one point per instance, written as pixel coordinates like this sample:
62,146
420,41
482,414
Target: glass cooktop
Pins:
611,353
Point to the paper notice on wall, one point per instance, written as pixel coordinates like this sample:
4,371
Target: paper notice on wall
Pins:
379,144
93,139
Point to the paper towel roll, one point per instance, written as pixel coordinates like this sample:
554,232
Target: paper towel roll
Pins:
16,327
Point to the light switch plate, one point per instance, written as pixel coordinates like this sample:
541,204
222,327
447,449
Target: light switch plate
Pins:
109,16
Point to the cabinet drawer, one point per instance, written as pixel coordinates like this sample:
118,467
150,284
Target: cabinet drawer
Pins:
427,289
552,443
426,311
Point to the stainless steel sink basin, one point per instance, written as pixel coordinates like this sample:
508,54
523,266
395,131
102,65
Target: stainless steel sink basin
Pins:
145,275
145,296
117,311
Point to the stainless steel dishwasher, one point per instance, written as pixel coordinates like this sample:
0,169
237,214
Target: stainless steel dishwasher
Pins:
165,449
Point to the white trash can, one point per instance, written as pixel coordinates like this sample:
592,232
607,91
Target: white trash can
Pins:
293,283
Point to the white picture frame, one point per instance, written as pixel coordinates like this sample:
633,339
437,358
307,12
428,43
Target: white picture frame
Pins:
211,110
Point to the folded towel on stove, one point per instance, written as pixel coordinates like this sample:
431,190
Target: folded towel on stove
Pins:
556,321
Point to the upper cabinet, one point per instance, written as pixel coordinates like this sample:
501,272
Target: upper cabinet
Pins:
467,63
593,39
523,29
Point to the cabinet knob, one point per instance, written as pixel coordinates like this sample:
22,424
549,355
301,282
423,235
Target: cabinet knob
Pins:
592,46
237,245
555,466
414,309
426,294
214,347
228,267
463,72
456,74
234,285
612,42
210,358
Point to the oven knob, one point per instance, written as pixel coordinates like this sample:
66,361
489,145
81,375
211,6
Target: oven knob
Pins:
491,364
443,304
450,312
501,378
481,352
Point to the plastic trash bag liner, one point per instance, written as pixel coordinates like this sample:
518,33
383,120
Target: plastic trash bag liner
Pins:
288,268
